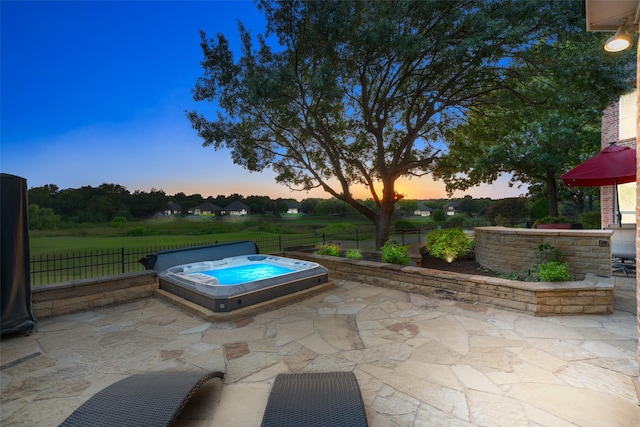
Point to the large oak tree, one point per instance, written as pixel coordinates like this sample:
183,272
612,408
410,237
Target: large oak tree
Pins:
359,93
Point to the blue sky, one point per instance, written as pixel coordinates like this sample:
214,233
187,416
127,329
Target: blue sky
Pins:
94,92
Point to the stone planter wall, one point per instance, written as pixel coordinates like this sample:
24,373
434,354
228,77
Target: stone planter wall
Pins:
81,295
507,250
591,296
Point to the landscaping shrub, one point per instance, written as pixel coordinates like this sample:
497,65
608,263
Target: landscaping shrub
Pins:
353,254
393,253
548,253
554,271
550,220
330,250
448,244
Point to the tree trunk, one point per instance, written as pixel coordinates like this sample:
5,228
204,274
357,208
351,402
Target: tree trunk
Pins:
580,203
383,228
383,221
552,194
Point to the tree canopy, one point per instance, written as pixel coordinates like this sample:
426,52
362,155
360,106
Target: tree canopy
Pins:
536,142
360,93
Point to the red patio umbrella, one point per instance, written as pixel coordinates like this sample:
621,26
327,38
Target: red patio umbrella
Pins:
613,165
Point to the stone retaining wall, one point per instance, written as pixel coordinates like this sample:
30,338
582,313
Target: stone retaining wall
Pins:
80,295
591,296
507,250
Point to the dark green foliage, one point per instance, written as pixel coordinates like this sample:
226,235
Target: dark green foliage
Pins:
42,218
456,220
508,211
548,253
353,254
439,215
118,222
448,244
535,142
393,253
551,220
330,250
591,220
404,224
554,271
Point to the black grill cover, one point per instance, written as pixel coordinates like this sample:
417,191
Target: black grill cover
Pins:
14,256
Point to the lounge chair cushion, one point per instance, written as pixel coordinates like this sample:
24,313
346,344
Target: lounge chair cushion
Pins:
153,399
315,399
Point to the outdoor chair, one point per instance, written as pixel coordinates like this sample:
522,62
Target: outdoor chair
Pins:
153,399
315,400
620,254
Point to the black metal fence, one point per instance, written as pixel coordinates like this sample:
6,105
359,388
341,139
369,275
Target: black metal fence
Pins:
55,268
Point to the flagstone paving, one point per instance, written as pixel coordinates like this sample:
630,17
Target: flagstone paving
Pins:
419,361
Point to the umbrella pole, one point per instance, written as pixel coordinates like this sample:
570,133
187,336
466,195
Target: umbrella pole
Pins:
617,210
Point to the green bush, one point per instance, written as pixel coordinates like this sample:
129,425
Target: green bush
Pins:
448,244
404,223
548,252
118,222
353,254
554,271
330,250
393,253
457,220
551,220
591,220
439,215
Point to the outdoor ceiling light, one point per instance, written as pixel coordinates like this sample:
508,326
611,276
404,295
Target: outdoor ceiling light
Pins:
620,41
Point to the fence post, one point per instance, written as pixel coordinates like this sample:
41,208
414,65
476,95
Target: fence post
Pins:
357,239
279,243
402,234
122,259
323,241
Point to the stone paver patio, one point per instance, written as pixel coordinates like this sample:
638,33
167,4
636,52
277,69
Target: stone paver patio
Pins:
419,361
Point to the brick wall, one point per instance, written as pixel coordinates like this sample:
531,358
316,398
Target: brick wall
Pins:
638,201
507,250
610,133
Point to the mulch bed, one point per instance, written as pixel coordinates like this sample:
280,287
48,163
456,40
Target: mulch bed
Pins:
464,265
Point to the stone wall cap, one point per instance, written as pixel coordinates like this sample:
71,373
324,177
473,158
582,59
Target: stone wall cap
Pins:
545,232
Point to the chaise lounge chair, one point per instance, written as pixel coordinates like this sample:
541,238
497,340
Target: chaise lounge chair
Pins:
315,400
153,399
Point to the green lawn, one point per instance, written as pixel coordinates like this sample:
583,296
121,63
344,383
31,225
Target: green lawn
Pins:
61,245
161,232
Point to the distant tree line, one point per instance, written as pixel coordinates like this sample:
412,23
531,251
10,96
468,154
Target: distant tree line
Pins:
49,206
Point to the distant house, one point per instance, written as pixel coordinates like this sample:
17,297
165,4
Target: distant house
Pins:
293,207
173,209
451,208
423,210
207,208
237,208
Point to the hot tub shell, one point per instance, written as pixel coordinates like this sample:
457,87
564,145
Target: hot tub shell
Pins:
176,267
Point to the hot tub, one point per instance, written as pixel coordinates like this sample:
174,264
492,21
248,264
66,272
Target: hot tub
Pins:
227,284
